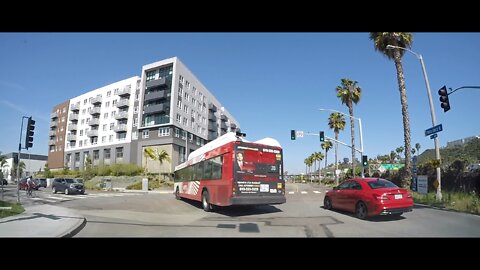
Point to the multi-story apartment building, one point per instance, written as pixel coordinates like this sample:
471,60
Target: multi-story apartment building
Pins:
167,108
56,134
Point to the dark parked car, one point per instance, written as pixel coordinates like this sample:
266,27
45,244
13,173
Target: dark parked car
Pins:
369,197
41,182
67,185
3,182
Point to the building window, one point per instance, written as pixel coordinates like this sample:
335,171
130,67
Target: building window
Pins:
119,151
179,118
110,138
121,136
180,78
107,104
135,122
96,154
106,153
104,139
151,75
135,109
145,134
111,126
80,143
162,132
177,132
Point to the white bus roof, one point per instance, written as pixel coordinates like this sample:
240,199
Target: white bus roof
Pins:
199,154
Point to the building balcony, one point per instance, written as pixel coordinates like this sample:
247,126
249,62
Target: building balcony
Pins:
71,137
54,115
53,124
72,127
124,91
223,126
94,122
96,100
120,128
92,133
52,133
154,83
75,107
95,110
154,108
51,142
124,102
155,95
224,117
73,117
121,115
233,126
212,117
212,107
212,126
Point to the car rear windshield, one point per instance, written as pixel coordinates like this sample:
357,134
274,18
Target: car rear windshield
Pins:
381,183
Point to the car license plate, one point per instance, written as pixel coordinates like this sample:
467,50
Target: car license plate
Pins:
398,196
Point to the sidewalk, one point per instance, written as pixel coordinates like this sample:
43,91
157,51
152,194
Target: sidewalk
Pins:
42,221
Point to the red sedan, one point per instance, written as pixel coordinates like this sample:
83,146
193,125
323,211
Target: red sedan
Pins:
369,197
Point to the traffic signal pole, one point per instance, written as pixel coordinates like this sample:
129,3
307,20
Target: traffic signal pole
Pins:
28,143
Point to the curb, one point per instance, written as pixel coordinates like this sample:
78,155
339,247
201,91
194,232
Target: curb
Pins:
76,230
445,209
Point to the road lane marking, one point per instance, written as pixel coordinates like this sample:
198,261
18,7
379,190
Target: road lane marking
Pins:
304,192
291,192
316,191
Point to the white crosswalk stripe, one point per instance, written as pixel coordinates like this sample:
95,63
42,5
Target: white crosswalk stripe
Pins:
304,192
57,198
316,191
291,192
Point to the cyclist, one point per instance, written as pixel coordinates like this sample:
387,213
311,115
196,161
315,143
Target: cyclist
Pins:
30,186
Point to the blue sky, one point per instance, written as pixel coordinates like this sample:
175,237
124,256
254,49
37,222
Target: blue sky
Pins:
270,82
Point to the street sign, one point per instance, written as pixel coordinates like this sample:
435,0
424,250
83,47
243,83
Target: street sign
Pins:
422,184
299,133
433,136
433,130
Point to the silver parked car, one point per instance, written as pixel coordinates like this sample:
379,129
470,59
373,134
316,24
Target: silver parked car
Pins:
67,185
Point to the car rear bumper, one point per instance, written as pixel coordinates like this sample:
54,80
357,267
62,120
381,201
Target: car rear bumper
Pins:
393,211
252,200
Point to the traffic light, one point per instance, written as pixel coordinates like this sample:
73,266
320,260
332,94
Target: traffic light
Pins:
444,102
322,136
29,134
292,134
364,161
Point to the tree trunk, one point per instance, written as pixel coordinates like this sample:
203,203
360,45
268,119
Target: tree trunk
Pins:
352,131
336,158
406,119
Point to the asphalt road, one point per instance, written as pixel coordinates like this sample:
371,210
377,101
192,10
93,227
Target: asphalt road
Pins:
114,214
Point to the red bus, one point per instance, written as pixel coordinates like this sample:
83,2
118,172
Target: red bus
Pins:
232,171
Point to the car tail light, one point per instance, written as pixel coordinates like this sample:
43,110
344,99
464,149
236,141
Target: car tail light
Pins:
380,197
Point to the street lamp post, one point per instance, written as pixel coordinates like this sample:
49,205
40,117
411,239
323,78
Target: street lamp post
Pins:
361,135
432,112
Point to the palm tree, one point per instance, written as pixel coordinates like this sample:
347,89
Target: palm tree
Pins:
418,146
326,145
404,40
162,156
399,150
148,153
318,156
336,121
350,93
